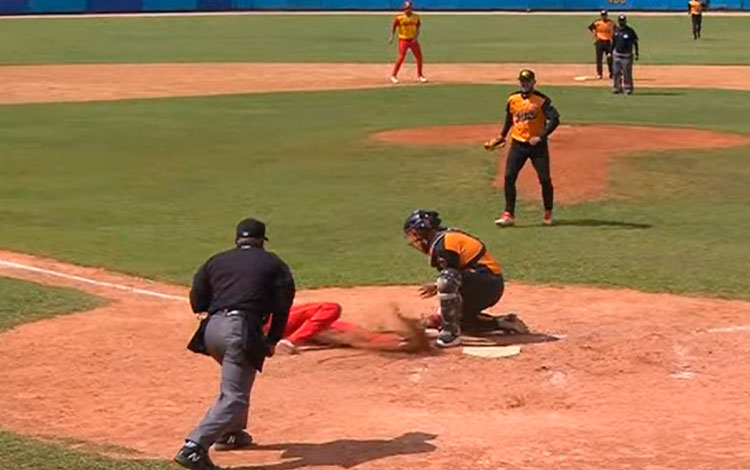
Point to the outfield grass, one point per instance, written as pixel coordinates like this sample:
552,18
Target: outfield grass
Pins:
23,302
534,38
153,187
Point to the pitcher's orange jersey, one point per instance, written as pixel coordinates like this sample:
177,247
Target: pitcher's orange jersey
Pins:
603,29
407,25
696,7
527,110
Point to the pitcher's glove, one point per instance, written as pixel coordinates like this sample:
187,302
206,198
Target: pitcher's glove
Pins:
494,143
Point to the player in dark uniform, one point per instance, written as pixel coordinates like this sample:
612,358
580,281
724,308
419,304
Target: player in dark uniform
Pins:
470,279
239,289
624,50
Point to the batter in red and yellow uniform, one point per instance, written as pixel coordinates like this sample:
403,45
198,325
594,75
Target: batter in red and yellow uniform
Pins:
407,25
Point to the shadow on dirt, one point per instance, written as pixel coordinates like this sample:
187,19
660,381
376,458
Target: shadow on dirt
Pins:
591,223
344,453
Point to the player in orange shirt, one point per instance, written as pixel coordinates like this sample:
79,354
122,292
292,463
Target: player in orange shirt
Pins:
408,26
602,31
695,10
470,279
532,118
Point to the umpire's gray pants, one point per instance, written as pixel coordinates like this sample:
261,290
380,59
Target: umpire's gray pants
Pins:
229,412
622,72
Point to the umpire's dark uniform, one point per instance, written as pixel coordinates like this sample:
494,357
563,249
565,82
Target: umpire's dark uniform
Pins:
239,289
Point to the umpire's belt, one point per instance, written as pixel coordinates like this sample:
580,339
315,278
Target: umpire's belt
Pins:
229,313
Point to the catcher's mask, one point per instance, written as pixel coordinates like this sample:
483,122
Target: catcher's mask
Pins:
419,227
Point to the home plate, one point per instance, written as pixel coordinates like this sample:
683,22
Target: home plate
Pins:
492,351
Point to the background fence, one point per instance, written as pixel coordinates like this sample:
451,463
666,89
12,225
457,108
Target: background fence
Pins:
111,6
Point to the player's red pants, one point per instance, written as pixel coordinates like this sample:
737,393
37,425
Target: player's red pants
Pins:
403,46
308,320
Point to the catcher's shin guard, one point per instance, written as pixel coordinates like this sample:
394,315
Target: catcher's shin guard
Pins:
449,285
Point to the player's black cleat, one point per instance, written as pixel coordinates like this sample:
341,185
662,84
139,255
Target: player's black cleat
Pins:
194,457
234,441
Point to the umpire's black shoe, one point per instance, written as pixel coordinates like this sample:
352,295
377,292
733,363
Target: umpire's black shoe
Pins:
194,457
234,441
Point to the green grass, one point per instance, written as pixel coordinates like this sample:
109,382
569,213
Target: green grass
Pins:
534,38
23,453
23,302
155,186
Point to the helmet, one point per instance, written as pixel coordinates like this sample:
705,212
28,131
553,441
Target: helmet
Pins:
526,75
622,19
604,13
408,5
421,220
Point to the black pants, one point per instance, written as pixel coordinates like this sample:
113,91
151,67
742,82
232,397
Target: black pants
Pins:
517,155
603,48
697,22
479,290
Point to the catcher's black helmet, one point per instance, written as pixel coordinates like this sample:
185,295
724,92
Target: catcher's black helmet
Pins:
421,219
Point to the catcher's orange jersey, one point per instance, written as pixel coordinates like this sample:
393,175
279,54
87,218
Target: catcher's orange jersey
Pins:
407,25
604,29
470,250
527,110
696,7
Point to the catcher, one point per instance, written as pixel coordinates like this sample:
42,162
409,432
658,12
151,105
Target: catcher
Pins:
470,279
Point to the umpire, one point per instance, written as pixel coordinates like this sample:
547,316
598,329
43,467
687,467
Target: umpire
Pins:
625,42
239,288
602,30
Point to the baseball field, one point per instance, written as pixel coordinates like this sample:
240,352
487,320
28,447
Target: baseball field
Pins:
130,147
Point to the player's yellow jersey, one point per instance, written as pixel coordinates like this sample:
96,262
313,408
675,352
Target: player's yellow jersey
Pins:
407,25
527,110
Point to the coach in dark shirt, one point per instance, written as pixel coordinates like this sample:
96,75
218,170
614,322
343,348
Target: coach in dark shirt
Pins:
239,289
624,43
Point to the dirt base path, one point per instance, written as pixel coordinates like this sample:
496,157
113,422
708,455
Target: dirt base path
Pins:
648,381
580,160
102,82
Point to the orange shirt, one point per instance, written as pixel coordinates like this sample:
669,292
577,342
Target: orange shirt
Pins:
528,115
467,252
407,25
696,7
603,29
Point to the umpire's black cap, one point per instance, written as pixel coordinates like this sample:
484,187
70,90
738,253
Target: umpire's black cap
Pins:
251,228
622,19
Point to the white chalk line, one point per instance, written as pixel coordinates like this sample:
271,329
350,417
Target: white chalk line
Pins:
94,282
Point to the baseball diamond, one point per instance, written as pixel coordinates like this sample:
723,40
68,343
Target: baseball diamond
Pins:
606,336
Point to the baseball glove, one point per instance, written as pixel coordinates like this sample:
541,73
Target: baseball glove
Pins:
494,143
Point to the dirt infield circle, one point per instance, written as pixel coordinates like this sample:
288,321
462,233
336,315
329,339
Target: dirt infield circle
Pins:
580,163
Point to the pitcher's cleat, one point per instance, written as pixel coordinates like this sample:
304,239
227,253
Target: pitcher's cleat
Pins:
506,220
394,80
547,218
422,79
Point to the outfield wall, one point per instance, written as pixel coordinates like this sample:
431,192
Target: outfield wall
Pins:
117,6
